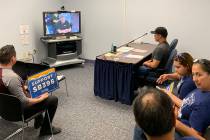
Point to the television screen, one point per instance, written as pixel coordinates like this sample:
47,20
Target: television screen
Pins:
61,23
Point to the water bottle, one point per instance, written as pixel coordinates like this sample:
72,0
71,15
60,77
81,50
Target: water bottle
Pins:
113,48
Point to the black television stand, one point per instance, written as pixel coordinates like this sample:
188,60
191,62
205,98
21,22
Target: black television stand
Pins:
63,50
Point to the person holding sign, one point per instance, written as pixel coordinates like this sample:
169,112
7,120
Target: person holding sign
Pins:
11,83
183,72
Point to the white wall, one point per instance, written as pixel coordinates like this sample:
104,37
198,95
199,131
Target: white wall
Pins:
102,22
119,21
15,13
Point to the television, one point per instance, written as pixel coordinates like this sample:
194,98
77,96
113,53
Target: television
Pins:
61,23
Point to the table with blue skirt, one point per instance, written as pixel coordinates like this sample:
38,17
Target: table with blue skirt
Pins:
115,74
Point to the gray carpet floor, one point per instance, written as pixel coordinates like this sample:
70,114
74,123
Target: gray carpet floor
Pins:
81,115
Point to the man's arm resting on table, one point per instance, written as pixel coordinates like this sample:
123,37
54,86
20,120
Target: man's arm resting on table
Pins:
187,131
152,63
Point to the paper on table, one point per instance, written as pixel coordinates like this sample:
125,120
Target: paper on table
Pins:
134,56
139,50
112,54
124,49
109,54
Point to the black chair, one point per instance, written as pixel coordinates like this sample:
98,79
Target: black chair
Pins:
173,45
11,109
61,78
27,69
152,77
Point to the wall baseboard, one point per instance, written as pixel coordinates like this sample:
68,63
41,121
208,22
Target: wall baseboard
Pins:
89,61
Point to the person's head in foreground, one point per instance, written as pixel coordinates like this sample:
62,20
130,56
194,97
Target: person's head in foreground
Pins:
154,113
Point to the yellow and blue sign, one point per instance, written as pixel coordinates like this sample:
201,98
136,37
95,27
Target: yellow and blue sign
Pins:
170,87
42,82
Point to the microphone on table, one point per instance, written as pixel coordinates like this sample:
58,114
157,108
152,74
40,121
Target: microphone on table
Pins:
127,44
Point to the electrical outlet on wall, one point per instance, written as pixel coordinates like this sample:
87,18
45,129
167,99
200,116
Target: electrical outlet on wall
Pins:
32,52
25,57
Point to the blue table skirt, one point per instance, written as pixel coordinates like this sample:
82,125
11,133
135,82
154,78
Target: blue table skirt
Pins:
114,81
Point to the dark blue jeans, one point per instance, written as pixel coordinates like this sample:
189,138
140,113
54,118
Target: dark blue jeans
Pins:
143,71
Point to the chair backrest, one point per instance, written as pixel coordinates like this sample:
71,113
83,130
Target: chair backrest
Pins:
27,69
10,107
173,45
169,63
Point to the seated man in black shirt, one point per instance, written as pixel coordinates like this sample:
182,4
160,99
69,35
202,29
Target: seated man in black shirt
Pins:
160,54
